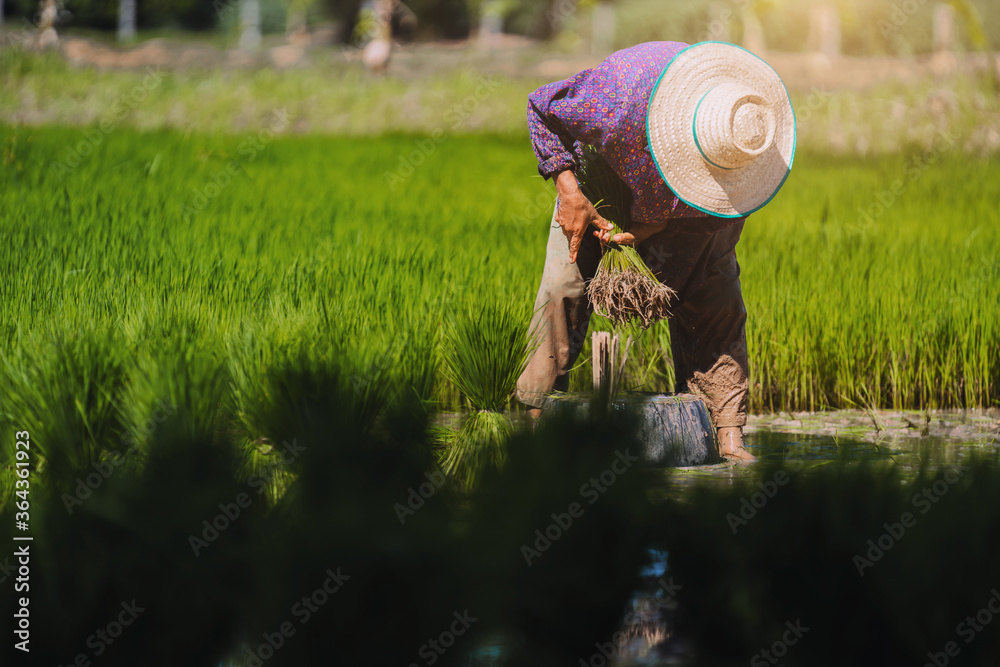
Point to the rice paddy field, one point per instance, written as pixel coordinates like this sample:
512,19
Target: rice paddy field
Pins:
184,270
213,255
199,296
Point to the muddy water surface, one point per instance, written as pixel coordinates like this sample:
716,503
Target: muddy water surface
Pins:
811,439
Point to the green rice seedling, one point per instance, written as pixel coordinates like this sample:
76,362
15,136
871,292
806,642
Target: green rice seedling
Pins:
63,387
847,299
624,289
288,376
254,359
479,444
485,349
178,372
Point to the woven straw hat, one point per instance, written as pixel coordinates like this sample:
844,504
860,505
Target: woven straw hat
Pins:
721,129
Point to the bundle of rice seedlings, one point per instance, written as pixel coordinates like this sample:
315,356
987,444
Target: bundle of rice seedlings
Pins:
623,289
485,349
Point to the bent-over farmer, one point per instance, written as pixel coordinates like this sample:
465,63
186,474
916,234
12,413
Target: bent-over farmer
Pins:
703,136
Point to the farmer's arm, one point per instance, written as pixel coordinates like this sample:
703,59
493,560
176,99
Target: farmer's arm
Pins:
561,115
576,214
555,124
557,119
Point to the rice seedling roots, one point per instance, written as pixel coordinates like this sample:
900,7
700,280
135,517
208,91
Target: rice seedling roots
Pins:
479,445
629,297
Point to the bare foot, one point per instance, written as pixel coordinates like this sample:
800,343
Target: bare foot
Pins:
731,446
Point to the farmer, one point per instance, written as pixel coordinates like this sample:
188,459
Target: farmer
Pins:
702,136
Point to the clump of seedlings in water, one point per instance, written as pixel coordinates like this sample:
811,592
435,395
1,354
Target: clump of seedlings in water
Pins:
609,359
485,349
623,289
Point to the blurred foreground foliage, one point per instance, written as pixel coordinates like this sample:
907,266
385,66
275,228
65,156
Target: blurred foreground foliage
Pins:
880,566
368,554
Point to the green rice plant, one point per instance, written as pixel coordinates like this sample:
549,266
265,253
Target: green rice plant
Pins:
266,404
63,387
623,289
485,349
848,299
178,372
287,377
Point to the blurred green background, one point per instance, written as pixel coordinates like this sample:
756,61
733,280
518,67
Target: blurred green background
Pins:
784,22
215,246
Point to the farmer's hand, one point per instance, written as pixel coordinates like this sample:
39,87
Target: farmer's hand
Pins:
640,233
575,213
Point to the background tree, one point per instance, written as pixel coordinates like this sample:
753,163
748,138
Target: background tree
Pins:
751,14
296,27
346,13
250,34
379,47
126,20
48,14
604,25
440,19
868,27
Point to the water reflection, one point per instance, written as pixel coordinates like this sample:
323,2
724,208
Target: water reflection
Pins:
809,451
654,643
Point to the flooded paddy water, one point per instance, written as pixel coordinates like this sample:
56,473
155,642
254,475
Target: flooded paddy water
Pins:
803,441
904,438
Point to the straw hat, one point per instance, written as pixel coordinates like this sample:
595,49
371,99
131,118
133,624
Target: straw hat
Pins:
721,129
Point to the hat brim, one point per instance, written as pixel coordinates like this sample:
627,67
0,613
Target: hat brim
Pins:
727,193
